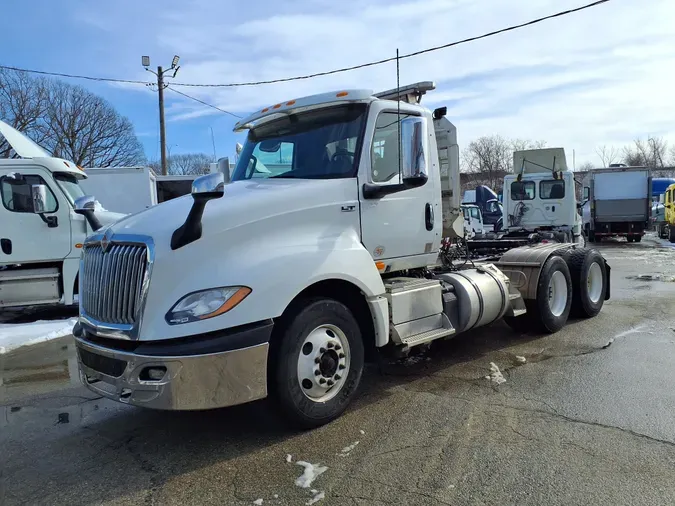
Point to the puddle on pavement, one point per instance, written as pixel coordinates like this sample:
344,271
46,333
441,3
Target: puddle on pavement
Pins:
38,369
666,278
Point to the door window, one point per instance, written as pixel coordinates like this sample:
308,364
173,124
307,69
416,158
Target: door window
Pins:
553,189
384,156
522,190
16,195
475,213
492,207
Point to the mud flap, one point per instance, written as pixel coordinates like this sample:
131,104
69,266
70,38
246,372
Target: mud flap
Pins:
608,271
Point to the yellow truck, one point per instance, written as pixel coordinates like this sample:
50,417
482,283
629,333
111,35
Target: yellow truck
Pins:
667,228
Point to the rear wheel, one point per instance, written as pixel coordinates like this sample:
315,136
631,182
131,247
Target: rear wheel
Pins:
317,363
549,311
589,282
630,238
638,238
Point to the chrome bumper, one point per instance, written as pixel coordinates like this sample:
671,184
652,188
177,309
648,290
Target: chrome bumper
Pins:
191,382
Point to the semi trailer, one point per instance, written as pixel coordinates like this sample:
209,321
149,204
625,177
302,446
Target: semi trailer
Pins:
279,282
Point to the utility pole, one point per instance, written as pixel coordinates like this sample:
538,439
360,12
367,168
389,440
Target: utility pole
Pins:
160,88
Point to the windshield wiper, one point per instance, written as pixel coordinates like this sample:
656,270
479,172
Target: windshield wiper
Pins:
285,175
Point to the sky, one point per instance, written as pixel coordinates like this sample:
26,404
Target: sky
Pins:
603,76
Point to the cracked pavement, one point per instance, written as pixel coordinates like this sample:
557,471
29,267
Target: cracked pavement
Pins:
579,422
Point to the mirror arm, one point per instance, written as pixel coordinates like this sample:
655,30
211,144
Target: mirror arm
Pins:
376,191
51,221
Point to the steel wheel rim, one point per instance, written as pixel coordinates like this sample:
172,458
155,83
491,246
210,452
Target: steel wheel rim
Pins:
594,282
323,363
557,293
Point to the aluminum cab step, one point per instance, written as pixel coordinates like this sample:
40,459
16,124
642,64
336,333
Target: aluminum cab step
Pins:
425,337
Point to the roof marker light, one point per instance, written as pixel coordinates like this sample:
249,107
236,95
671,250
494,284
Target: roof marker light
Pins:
342,94
265,109
276,106
290,102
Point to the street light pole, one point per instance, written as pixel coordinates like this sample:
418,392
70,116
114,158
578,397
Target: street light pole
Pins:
160,88
162,129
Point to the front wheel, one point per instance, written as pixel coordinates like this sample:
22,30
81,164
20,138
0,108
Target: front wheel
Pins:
317,362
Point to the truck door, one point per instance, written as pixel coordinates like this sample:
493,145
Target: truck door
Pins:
24,236
552,194
402,220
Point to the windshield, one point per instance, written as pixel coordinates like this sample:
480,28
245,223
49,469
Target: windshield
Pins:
69,185
321,144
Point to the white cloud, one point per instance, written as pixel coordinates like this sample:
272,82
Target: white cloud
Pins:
601,76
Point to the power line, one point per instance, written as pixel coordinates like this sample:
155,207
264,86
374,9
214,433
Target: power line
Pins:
319,74
394,58
74,76
205,103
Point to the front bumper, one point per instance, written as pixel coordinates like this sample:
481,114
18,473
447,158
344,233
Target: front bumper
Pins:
201,372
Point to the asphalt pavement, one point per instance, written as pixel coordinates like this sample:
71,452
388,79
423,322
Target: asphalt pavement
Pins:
585,416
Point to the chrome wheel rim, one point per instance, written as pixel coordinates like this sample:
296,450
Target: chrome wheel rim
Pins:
557,293
323,363
594,282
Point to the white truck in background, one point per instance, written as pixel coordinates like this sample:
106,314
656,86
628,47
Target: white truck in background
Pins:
278,281
617,203
41,235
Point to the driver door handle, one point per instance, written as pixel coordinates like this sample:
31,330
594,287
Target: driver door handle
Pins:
429,216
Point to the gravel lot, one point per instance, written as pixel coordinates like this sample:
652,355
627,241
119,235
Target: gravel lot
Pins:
576,422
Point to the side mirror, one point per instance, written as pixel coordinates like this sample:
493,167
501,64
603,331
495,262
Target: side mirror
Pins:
224,168
412,148
38,193
85,206
204,188
210,186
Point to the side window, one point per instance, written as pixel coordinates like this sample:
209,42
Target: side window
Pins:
522,190
466,213
492,207
384,156
16,195
474,213
554,189
587,193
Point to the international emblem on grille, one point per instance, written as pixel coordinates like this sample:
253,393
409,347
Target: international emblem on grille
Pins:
105,242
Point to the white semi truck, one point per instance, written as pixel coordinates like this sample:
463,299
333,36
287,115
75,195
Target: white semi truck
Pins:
277,282
41,236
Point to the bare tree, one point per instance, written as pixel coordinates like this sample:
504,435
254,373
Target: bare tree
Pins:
86,129
487,159
68,121
185,164
608,155
22,104
585,167
651,153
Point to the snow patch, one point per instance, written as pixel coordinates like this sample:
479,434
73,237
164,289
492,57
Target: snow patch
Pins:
289,458
311,473
625,333
520,359
258,502
495,375
98,208
276,496
15,335
362,432
316,498
347,449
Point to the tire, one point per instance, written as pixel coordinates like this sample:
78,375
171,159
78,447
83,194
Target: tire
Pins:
637,238
589,281
315,329
630,238
547,315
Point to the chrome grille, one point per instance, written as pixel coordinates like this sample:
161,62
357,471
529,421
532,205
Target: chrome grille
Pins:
112,282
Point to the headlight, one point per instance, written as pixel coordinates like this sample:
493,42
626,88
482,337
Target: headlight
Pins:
206,304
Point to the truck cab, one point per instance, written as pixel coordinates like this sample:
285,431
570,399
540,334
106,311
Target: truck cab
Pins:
541,196
334,237
667,228
41,236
